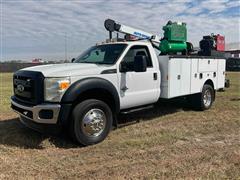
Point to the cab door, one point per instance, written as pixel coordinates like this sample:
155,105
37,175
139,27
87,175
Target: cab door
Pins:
138,88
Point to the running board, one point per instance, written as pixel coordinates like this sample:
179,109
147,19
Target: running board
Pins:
137,109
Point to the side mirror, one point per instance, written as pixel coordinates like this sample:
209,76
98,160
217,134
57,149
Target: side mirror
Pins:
123,67
73,59
140,63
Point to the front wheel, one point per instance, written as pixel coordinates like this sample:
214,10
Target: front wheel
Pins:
91,121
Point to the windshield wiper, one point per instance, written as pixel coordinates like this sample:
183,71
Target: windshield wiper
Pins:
86,62
102,63
94,62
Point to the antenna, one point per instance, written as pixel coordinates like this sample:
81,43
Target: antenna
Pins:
65,46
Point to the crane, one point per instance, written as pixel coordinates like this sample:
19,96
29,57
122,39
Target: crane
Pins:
174,40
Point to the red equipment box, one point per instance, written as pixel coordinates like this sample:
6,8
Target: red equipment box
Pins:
220,42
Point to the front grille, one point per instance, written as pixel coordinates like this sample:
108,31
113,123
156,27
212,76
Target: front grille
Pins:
28,86
23,87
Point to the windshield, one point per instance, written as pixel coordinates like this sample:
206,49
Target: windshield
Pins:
102,54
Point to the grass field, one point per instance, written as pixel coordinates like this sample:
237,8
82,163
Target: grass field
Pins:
171,141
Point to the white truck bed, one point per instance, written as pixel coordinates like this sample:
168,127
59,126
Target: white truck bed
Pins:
184,75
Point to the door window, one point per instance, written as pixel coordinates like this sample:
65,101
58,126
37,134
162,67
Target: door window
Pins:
137,51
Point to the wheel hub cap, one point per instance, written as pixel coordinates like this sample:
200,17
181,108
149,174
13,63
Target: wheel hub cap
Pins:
207,98
94,122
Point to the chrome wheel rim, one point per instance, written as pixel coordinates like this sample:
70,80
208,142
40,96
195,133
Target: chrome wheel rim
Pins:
207,98
93,123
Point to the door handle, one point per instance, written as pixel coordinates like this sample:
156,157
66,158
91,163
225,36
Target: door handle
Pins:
155,76
124,88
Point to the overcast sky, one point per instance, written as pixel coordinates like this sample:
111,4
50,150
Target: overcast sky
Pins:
36,28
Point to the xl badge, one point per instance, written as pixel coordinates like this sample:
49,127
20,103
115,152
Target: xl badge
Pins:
20,88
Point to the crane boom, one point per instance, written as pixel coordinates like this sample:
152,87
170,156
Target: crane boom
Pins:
112,26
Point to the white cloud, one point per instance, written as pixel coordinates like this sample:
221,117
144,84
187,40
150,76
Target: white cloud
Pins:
38,27
235,3
213,6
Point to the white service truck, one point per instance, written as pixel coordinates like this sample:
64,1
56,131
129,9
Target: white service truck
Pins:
88,94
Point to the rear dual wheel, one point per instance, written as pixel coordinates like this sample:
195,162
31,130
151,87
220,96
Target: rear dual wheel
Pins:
203,100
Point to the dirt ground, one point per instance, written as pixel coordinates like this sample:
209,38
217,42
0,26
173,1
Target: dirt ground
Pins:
170,141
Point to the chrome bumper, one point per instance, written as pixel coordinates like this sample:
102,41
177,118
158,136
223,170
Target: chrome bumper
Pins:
35,110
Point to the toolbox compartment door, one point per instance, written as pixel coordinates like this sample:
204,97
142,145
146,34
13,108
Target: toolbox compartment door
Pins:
207,65
221,73
179,77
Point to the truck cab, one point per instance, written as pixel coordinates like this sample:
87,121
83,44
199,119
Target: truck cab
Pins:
120,74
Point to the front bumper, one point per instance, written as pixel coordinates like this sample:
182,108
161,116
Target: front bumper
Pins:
43,114
52,129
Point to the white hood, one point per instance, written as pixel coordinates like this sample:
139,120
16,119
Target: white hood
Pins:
69,69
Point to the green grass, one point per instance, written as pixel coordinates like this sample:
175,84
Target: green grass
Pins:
6,91
170,142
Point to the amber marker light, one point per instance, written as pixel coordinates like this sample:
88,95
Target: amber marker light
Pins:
64,85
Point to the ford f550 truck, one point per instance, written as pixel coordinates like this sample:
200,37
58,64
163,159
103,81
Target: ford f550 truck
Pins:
88,94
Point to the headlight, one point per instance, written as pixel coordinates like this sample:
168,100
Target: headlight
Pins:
54,88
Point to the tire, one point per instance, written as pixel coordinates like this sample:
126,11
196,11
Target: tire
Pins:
91,122
203,100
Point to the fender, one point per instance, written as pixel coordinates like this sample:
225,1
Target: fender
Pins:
83,85
210,82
